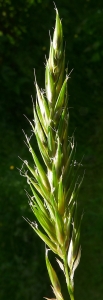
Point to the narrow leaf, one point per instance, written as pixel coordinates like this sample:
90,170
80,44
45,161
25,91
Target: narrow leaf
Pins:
53,277
43,105
49,85
43,151
40,169
61,98
39,202
45,239
61,198
58,36
39,113
59,227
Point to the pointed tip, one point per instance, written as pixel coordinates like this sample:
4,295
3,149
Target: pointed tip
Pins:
55,7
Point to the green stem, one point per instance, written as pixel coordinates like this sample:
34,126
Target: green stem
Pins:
68,282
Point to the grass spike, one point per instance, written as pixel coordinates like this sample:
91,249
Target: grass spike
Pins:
54,182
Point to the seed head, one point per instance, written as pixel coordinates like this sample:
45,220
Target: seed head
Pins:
54,181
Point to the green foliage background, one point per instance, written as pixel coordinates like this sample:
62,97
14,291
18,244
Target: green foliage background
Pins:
24,43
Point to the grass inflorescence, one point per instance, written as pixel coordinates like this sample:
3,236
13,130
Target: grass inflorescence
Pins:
55,187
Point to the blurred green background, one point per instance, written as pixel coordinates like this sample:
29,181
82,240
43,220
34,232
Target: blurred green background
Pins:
24,43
